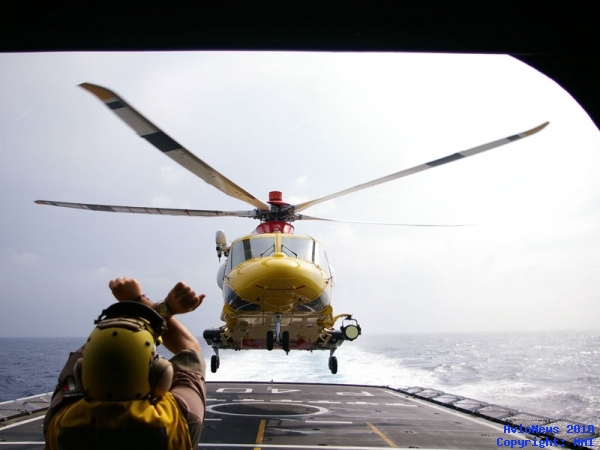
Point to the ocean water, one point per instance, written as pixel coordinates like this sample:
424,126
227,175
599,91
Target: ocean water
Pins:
554,374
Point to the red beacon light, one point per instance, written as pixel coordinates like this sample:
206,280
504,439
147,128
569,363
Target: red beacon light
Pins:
276,199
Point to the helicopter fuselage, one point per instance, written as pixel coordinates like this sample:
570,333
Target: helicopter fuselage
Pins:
275,276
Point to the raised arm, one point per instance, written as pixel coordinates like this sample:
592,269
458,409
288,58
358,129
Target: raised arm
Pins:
180,300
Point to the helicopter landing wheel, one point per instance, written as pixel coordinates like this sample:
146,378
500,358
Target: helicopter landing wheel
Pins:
215,362
285,341
333,364
269,340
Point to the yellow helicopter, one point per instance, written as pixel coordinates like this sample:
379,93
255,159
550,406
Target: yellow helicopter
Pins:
276,284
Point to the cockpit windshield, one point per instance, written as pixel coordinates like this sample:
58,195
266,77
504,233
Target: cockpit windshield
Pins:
298,248
260,246
305,248
255,247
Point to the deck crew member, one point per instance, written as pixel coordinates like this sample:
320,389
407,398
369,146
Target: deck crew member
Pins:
116,392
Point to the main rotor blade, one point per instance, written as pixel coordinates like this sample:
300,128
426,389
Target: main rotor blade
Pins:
145,210
305,217
163,142
422,167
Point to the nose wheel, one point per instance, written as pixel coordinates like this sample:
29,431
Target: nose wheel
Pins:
285,340
278,336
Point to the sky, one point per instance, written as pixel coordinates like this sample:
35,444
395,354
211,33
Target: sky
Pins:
306,124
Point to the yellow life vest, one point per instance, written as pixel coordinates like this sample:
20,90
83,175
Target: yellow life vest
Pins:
119,425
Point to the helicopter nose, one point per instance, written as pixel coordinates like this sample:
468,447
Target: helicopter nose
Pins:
280,265
282,273
278,281
276,272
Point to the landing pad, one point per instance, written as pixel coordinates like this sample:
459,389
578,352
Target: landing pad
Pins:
313,416
307,416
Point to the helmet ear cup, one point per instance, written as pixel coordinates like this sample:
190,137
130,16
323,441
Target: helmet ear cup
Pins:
77,374
160,376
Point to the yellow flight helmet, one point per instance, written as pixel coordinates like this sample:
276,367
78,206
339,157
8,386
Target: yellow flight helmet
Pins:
120,362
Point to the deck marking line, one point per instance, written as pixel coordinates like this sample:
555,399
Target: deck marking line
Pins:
233,390
400,404
21,423
22,443
382,436
281,391
260,434
361,403
211,409
358,394
322,401
327,421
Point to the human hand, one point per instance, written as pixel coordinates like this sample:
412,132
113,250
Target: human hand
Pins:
125,289
182,299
